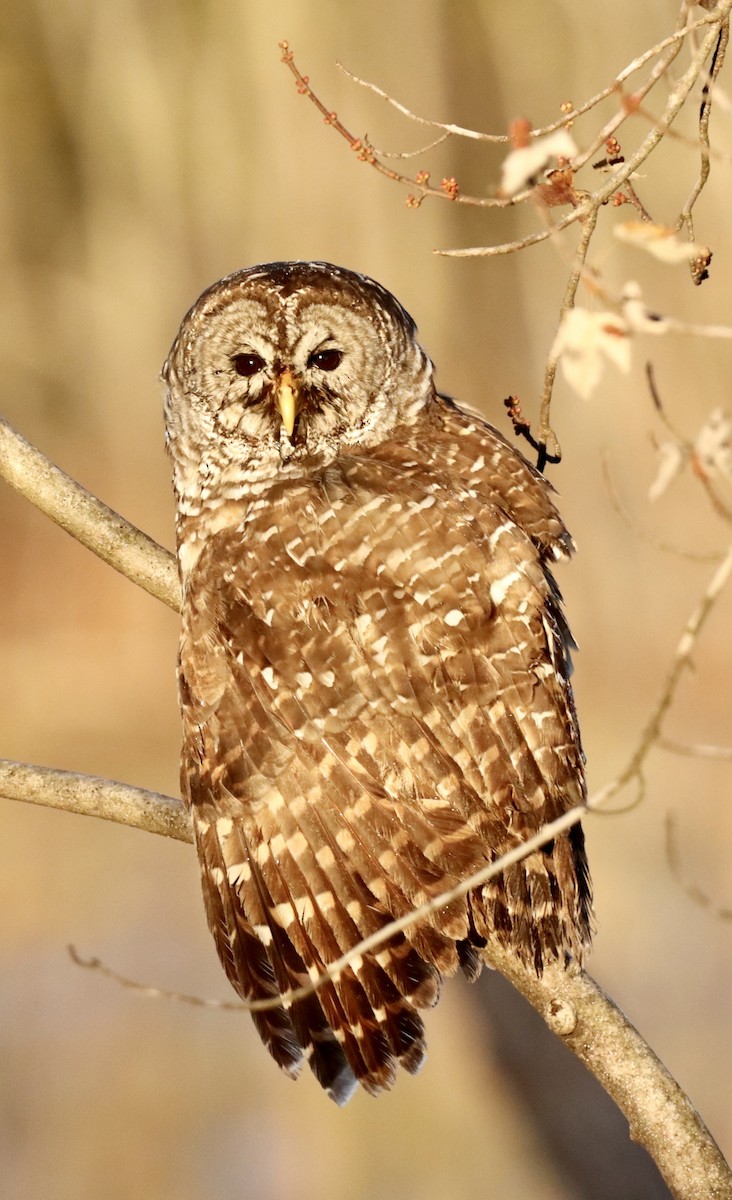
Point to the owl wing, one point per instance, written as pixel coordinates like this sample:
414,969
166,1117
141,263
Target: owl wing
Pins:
376,704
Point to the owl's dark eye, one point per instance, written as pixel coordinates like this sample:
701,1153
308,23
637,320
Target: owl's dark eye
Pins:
326,360
247,364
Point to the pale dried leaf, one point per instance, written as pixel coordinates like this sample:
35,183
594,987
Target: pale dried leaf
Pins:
638,317
713,446
671,460
522,166
659,240
584,343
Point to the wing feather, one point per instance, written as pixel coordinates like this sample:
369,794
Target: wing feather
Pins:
384,694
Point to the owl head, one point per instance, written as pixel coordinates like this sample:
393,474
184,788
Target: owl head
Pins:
279,368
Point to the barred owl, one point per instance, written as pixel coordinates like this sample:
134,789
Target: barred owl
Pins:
374,668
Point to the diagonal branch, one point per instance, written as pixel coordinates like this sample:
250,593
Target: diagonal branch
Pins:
574,1007
659,1113
89,520
91,796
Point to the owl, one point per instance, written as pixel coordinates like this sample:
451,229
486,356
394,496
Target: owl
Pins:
374,669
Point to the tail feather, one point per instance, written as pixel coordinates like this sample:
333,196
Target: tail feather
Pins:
242,954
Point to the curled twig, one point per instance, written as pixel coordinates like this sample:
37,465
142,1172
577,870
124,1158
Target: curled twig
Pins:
640,531
689,887
699,272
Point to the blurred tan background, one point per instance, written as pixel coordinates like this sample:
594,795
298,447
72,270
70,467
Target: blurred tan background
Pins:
146,150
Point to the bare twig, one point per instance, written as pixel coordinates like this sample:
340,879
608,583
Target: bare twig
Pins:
686,447
149,990
674,40
642,532
99,528
522,428
531,239
676,100
367,153
686,217
631,105
546,434
695,749
576,1009
633,772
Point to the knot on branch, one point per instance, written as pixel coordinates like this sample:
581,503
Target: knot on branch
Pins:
561,1017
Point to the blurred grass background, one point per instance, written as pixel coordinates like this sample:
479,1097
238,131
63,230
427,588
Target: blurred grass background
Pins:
146,150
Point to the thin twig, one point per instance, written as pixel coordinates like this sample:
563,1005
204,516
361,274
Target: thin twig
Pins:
576,1009
676,100
531,239
693,890
695,749
686,447
686,216
410,153
674,40
149,990
633,772
546,434
631,105
367,153
642,532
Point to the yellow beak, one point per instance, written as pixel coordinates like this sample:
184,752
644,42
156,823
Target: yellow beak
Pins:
288,399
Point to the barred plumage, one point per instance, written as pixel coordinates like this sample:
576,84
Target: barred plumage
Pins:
374,667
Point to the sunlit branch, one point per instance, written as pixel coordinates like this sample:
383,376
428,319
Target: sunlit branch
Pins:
89,520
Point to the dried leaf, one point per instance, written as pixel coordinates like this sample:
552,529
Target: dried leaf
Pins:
713,446
522,166
638,317
659,240
585,341
671,461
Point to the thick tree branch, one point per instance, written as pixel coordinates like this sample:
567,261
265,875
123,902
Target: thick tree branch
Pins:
659,1114
94,797
89,520
576,1009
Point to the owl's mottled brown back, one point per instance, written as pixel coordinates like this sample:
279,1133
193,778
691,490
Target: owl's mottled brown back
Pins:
374,667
